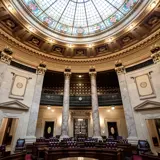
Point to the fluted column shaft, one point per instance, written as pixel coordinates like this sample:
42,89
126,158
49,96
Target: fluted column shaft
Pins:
95,111
65,112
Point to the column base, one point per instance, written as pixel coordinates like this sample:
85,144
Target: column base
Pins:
133,140
63,136
30,139
98,137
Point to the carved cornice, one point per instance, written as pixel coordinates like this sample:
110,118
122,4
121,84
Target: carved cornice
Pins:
134,48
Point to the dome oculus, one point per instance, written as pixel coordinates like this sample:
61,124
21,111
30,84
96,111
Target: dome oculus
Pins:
80,17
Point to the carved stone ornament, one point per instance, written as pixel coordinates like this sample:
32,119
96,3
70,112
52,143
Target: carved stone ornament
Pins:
156,57
92,71
6,55
67,72
119,68
41,69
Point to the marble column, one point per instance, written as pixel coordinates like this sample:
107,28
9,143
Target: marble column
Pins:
128,111
65,111
34,110
95,111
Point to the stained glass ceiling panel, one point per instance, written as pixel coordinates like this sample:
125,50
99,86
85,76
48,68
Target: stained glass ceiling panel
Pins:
80,17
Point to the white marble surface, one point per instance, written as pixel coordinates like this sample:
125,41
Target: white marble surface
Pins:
130,122
65,111
142,116
3,68
34,110
5,88
95,111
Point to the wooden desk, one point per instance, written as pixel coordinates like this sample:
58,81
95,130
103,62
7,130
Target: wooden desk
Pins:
149,157
17,156
100,154
37,146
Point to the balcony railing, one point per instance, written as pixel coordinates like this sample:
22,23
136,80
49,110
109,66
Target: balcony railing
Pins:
81,101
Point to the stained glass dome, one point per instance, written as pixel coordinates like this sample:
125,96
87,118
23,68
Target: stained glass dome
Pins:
80,17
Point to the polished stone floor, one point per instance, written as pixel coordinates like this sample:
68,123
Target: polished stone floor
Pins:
77,158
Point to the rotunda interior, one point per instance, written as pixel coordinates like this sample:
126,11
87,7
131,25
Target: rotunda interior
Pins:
79,79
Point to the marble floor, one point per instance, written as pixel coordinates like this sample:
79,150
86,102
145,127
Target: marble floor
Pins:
77,158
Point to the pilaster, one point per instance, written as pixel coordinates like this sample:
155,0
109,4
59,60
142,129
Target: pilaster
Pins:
34,110
130,122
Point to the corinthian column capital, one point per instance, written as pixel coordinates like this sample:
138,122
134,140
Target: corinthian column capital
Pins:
155,54
6,55
119,68
92,71
41,69
67,72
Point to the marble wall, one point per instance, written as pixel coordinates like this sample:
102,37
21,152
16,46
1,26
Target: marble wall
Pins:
116,115
6,80
140,116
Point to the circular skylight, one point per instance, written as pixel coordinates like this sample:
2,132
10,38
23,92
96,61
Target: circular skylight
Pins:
80,17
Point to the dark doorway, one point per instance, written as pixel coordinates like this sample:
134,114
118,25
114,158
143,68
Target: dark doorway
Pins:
112,129
7,137
80,128
48,129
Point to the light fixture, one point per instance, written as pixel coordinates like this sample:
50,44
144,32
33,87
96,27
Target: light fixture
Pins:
153,4
31,29
113,108
48,108
10,7
131,26
80,119
52,110
70,45
50,40
80,76
109,40
90,45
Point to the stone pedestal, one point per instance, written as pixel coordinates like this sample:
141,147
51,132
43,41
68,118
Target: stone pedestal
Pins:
130,122
65,112
34,110
95,111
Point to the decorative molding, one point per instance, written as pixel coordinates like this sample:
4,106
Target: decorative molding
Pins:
14,105
134,48
144,86
147,105
19,86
